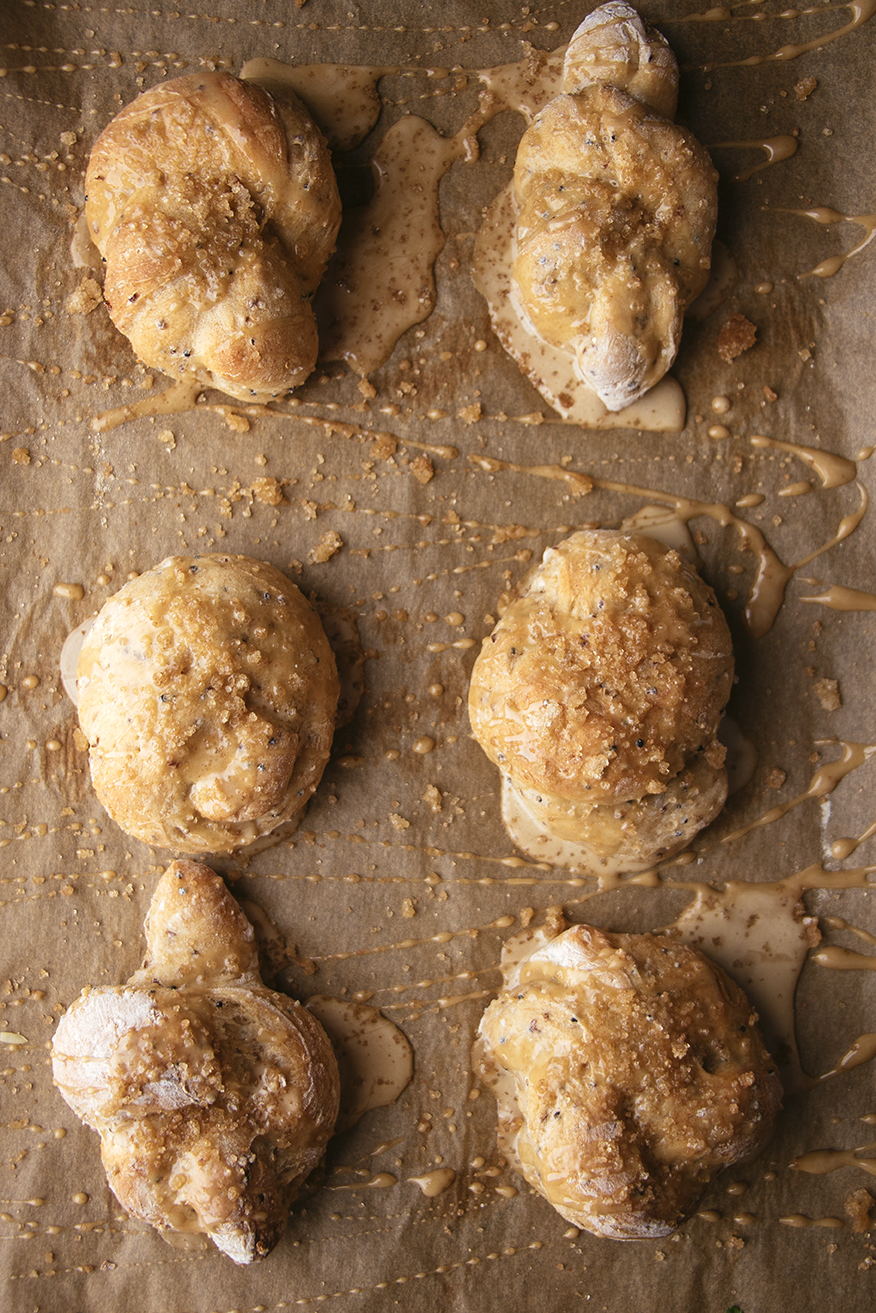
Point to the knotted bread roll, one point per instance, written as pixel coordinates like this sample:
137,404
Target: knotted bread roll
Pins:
207,692
214,1097
629,1070
616,209
215,208
599,695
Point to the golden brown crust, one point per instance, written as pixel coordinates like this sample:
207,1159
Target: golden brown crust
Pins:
614,46
629,1071
599,695
617,211
215,208
207,693
214,1097
608,672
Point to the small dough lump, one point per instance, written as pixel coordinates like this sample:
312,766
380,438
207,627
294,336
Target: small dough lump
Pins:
629,1071
207,692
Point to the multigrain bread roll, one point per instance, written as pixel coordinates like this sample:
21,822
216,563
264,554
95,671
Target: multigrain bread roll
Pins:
207,692
214,1097
616,209
215,208
599,695
629,1071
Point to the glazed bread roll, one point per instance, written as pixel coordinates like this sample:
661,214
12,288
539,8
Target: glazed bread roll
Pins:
215,208
207,692
214,1097
616,209
629,1070
599,695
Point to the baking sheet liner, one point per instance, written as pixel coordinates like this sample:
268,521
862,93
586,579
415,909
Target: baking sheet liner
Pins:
398,885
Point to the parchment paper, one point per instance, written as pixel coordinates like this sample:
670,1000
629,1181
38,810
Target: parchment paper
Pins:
400,846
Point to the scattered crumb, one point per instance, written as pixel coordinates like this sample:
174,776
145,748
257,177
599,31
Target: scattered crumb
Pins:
421,468
167,437
310,508
68,139
776,778
738,334
398,822
827,692
805,87
858,1205
407,908
383,446
734,1242
328,544
432,796
367,389
470,414
237,423
804,353
525,916
268,491
21,455
769,395
85,298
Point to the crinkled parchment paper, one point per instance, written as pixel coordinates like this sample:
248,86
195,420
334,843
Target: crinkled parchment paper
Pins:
397,886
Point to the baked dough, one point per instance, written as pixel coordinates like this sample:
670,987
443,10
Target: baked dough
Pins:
207,692
616,209
215,208
599,695
629,1071
214,1097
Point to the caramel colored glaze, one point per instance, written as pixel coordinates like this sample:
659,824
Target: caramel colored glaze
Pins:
758,933
824,781
840,598
799,1220
374,1059
862,10
178,397
838,923
380,281
776,148
435,1182
551,369
663,524
343,98
382,1181
833,471
761,935
768,590
825,215
821,1161
844,959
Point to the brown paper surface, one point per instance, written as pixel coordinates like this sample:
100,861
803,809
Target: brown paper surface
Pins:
398,885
